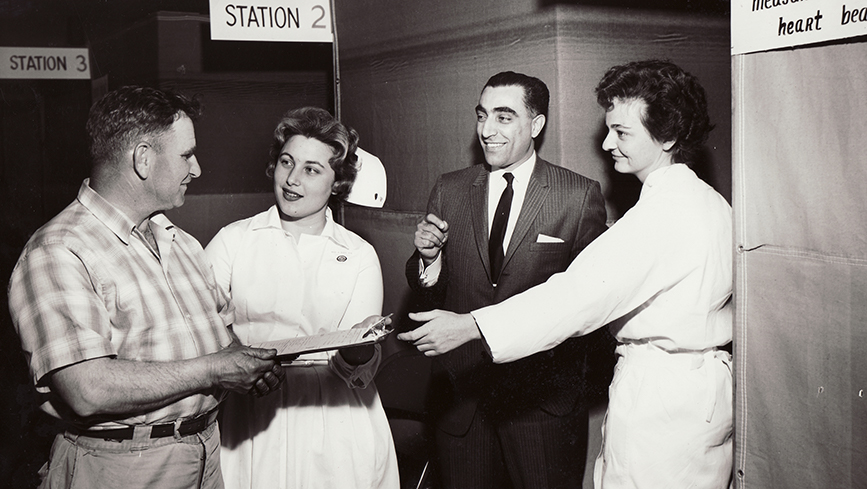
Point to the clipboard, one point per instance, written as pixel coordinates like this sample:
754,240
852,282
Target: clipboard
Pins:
291,348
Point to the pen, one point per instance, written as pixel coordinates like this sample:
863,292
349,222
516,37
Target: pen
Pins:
305,363
378,327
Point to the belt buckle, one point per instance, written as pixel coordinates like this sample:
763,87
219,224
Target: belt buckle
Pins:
194,425
176,431
116,435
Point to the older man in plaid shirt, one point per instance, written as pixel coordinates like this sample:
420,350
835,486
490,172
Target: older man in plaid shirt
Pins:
125,332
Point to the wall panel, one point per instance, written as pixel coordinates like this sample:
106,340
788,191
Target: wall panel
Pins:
411,96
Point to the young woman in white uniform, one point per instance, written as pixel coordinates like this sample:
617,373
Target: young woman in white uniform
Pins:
292,271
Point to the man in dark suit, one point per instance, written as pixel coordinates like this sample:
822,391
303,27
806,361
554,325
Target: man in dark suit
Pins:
493,231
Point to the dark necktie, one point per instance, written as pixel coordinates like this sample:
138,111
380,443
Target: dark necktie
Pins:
498,229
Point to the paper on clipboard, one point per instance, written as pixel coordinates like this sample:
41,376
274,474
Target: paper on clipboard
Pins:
293,347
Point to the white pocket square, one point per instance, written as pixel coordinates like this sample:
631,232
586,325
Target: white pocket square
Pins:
544,238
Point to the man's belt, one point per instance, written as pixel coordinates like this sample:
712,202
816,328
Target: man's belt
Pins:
186,428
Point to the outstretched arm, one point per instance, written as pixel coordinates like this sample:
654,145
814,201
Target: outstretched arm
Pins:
442,331
110,387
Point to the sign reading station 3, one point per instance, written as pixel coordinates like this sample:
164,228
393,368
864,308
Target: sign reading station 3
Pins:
45,63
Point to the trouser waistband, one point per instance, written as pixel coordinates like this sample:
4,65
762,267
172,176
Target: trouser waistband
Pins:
184,428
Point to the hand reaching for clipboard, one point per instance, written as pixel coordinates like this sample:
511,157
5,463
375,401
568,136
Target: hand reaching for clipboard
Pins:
370,331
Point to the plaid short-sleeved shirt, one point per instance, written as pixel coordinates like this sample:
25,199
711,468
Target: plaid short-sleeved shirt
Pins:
87,285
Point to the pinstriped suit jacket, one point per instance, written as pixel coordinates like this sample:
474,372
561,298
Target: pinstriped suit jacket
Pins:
558,203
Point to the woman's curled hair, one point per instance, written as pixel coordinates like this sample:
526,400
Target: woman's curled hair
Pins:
319,124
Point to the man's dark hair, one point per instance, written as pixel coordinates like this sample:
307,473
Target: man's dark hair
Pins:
123,116
536,96
676,103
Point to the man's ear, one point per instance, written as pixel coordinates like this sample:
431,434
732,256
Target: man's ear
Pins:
538,124
141,155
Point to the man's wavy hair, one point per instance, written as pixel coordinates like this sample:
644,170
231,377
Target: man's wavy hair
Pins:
126,115
316,123
536,96
676,103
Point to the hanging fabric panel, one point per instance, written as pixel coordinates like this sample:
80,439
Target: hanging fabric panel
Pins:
800,198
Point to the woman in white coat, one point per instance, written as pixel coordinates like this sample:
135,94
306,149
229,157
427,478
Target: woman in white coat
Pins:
292,271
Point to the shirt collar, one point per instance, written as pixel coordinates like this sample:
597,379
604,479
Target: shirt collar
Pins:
328,230
163,222
114,219
661,176
522,173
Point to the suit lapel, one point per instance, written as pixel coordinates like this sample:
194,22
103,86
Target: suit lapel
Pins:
537,192
479,211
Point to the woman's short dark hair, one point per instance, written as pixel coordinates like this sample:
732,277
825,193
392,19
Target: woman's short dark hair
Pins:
676,103
123,116
318,124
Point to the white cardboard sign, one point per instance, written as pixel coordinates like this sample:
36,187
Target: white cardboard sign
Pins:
761,25
44,63
271,20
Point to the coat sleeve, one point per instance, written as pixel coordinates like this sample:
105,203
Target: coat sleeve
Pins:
366,301
614,275
433,297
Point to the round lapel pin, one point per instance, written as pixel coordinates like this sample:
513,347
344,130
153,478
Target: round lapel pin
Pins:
341,258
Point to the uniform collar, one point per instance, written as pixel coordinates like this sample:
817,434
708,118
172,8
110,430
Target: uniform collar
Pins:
270,219
662,176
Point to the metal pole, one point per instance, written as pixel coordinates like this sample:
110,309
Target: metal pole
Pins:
340,218
336,62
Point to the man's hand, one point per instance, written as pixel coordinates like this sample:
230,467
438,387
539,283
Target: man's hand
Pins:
442,332
430,236
243,369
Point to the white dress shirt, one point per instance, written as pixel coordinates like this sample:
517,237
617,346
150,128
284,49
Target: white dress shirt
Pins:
496,184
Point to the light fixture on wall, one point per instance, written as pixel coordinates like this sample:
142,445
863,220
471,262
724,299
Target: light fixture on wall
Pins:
370,184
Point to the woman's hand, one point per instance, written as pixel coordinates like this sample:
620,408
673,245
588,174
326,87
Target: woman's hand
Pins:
357,355
442,331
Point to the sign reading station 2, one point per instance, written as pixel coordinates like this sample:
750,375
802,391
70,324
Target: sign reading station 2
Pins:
271,20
